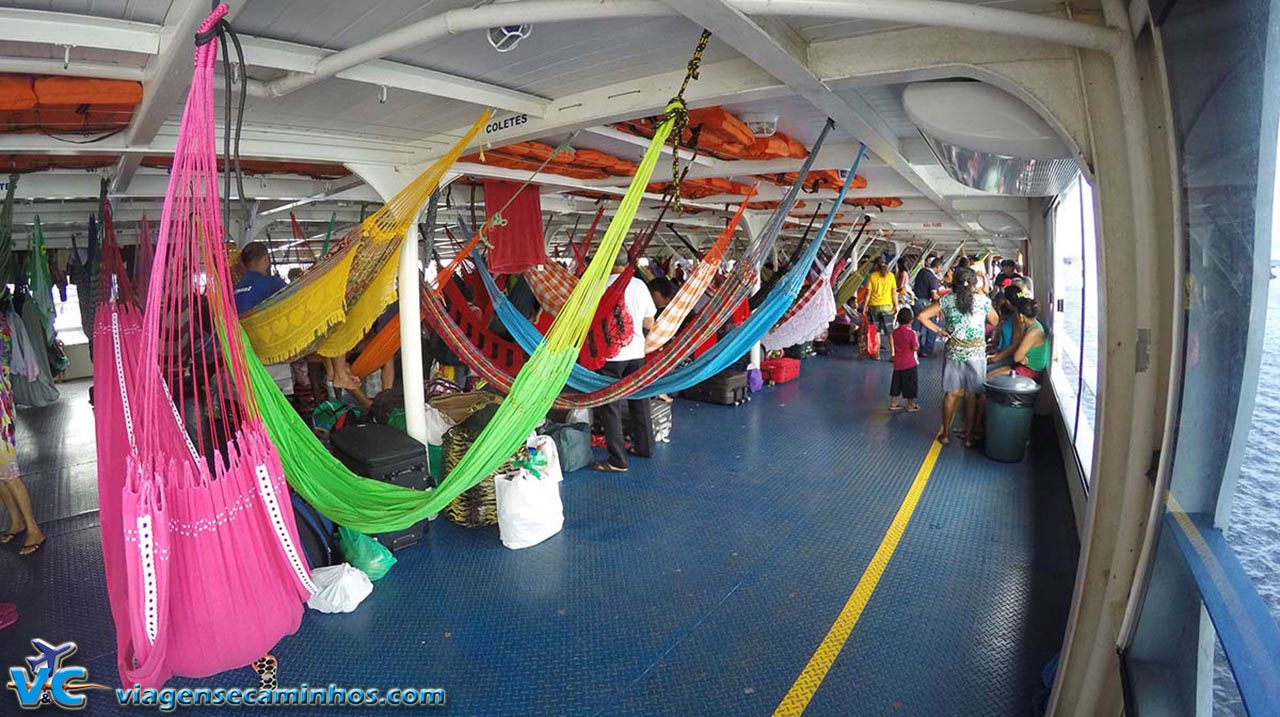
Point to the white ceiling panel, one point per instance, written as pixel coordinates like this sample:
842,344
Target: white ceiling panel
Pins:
563,58
824,29
886,100
149,11
342,106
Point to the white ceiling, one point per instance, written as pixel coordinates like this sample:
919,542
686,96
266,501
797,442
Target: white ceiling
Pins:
610,64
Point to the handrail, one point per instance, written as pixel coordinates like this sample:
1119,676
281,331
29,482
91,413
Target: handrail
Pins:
1249,634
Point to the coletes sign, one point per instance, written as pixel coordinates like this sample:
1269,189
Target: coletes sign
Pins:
505,123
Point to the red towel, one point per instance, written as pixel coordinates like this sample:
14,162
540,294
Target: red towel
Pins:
518,245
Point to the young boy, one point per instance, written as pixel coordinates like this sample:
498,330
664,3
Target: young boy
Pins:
905,345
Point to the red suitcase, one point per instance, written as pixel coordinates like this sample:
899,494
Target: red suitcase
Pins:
780,370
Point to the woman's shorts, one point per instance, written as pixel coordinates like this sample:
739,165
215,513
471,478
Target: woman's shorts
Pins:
959,375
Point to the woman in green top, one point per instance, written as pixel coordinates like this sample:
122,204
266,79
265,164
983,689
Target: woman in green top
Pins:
1032,357
966,313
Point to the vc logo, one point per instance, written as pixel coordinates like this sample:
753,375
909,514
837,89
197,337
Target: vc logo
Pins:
45,681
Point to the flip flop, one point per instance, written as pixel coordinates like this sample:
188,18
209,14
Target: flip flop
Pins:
912,409
896,408
607,467
6,538
31,549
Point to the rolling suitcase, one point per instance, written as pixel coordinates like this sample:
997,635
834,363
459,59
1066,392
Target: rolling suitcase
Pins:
660,418
383,453
728,388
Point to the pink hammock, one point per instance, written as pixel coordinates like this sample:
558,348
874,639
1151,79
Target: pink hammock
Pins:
205,560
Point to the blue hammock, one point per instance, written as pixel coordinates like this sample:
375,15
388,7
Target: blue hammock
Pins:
727,350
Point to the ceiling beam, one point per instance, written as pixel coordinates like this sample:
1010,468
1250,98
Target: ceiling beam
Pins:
780,51
637,141
303,60
60,28
167,77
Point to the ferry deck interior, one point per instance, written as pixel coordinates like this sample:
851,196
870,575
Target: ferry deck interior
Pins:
807,551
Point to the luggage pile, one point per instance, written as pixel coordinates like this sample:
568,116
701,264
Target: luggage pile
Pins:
478,505
385,454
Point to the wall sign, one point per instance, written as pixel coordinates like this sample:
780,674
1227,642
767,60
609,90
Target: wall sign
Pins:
505,123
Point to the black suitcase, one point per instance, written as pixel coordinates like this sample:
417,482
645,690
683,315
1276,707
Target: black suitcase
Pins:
728,388
659,418
383,453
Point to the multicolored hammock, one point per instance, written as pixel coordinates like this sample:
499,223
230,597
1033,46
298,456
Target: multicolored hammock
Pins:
552,283
331,306
657,376
671,318
212,573
374,506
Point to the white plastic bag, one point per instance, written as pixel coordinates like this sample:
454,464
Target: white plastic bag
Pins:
339,588
579,415
437,424
529,507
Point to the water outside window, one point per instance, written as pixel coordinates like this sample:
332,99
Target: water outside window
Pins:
1074,371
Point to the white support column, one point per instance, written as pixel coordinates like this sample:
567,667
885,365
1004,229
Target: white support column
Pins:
410,283
387,181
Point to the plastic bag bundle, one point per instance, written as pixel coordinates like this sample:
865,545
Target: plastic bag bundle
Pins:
529,506
340,588
365,553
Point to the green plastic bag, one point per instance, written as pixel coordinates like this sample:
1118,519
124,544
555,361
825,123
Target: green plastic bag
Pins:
365,553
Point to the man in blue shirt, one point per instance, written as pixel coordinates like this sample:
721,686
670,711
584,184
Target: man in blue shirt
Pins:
926,289
258,283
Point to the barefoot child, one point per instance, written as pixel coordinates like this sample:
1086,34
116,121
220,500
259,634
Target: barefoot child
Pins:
905,346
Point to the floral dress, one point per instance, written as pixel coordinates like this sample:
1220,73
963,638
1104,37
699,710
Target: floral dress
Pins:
8,447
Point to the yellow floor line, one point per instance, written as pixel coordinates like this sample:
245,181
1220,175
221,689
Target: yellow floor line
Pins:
797,698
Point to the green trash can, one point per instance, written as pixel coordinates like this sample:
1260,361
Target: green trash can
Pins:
1010,406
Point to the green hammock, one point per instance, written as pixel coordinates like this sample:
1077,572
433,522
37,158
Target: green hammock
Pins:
40,279
374,507
6,229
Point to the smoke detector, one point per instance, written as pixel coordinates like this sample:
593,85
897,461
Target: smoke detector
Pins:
761,124
506,37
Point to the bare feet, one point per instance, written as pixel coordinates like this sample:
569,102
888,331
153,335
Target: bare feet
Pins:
942,438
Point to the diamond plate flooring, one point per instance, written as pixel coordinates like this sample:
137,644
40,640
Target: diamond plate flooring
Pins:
698,583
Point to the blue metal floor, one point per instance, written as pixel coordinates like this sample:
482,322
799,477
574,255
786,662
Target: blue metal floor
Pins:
700,582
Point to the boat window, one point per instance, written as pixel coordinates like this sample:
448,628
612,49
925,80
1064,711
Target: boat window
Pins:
1074,370
1207,639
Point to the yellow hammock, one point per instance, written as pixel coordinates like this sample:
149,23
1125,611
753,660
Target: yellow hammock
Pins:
333,305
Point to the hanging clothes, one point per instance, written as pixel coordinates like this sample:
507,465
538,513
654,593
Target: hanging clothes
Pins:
516,233
39,391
